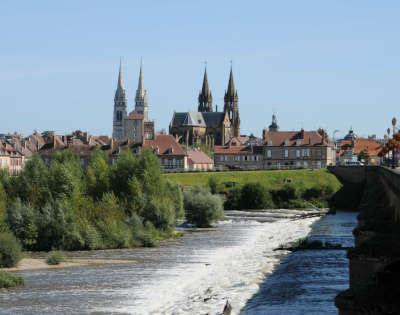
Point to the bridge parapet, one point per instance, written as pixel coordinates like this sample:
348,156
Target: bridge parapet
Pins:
374,261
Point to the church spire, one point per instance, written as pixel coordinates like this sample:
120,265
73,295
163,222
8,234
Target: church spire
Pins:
141,105
231,105
231,85
205,97
120,85
120,105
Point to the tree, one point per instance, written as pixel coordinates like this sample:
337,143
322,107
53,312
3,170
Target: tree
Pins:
98,175
32,184
202,208
255,196
148,172
122,172
21,219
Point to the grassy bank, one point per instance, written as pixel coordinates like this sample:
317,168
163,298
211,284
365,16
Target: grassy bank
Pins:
276,179
266,189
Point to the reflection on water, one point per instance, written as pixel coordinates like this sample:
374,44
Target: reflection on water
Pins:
197,273
306,282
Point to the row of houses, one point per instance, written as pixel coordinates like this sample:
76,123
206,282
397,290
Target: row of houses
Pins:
275,150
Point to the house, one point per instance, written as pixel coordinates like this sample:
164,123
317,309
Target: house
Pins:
351,149
199,161
172,156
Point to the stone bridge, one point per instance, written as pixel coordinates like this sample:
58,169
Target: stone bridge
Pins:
374,262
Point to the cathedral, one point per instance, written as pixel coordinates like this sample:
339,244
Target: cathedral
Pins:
206,126
134,126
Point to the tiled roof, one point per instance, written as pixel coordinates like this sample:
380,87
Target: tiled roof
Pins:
164,145
361,144
197,157
293,138
237,149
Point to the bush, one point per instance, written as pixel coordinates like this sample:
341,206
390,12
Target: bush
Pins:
55,258
233,199
10,250
8,280
213,184
202,208
282,196
255,196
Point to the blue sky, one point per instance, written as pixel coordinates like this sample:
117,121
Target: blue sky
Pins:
331,64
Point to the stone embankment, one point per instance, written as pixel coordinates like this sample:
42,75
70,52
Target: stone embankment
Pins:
374,262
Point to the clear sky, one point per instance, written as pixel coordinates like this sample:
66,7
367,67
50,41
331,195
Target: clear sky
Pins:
331,64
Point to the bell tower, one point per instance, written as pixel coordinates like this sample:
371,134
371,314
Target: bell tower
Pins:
120,106
231,105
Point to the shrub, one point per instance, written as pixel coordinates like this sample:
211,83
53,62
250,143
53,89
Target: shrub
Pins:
55,258
282,196
10,250
233,199
202,208
255,196
213,184
8,280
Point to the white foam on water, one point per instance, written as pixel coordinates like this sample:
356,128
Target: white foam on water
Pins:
215,275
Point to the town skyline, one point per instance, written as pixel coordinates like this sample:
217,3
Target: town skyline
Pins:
305,66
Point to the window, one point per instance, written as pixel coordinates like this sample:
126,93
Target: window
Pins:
297,153
269,154
286,154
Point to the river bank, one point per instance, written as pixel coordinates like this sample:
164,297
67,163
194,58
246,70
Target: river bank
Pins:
40,263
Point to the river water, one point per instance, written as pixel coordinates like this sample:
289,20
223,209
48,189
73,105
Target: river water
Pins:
197,273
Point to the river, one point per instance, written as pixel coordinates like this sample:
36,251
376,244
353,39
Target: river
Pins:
198,272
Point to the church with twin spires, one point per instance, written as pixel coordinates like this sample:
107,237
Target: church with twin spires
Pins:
134,126
206,126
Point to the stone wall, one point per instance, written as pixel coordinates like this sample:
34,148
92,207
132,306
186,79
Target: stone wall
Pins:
374,263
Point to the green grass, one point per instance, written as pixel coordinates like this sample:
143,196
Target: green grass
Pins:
271,179
8,280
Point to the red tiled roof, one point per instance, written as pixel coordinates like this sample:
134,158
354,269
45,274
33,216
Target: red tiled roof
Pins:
164,144
237,149
198,157
278,138
361,144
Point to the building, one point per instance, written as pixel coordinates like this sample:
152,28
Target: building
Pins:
351,150
135,125
199,161
279,150
206,126
172,156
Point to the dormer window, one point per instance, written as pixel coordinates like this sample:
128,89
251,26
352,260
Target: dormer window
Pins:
298,141
269,143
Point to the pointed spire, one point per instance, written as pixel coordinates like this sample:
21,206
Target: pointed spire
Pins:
141,83
120,76
205,97
205,89
231,85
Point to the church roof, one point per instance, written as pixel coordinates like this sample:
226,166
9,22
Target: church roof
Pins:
213,119
204,119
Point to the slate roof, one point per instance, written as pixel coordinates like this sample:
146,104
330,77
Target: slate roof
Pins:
204,119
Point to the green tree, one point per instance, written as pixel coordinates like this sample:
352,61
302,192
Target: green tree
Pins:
21,219
98,175
202,208
122,172
148,172
32,184
10,250
255,196
3,205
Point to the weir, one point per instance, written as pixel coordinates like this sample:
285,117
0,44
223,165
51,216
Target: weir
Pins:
374,262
